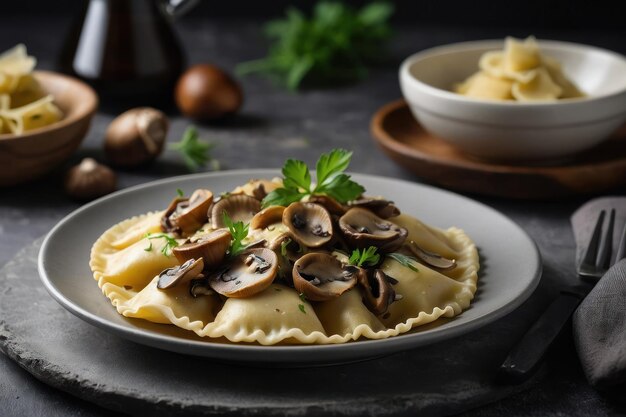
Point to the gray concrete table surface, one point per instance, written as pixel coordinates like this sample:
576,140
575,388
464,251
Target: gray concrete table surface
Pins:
273,125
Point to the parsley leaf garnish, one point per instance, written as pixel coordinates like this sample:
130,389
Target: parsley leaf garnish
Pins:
404,260
283,246
365,257
331,180
195,152
180,193
334,44
238,232
170,242
301,307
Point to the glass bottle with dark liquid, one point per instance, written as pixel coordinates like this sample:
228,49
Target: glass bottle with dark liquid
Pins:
126,49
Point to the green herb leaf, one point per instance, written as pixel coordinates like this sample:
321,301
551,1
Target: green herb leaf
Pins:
404,260
302,297
365,257
334,44
283,246
195,152
238,232
282,197
170,242
341,188
301,307
332,163
297,175
180,193
331,180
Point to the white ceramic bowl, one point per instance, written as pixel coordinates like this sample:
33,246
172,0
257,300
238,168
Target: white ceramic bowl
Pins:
514,131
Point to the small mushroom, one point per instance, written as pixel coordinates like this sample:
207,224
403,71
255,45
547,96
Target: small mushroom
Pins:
309,224
258,189
211,248
320,276
185,216
431,259
136,137
247,274
89,180
239,207
380,207
362,228
329,203
174,276
378,292
267,216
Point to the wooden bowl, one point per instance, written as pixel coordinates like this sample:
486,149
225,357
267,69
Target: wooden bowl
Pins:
34,153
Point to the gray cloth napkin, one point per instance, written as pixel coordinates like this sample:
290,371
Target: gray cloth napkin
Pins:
599,323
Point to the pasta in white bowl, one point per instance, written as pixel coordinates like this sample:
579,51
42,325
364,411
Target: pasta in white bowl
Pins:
551,122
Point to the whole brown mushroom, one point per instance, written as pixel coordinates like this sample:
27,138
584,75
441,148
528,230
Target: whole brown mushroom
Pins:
89,180
136,137
205,92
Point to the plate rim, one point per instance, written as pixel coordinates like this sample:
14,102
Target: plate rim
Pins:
237,352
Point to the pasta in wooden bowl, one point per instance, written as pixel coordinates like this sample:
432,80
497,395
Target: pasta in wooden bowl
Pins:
286,261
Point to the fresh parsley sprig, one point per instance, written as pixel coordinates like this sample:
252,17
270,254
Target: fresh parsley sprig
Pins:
195,152
404,260
238,232
170,242
365,257
335,44
331,180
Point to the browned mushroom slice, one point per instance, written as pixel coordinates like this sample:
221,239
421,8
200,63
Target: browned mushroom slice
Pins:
211,248
362,228
174,276
378,293
185,216
166,224
431,259
380,207
309,224
329,203
267,216
247,274
239,207
320,276
200,287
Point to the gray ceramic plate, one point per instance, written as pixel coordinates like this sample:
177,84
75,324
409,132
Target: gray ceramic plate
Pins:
510,268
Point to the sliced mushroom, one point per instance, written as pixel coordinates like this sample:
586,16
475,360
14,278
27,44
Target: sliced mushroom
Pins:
174,276
320,276
239,207
185,216
380,207
247,274
199,287
329,203
378,292
361,228
309,224
258,189
267,216
431,259
211,248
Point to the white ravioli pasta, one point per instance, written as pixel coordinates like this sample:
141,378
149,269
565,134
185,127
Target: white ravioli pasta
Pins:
23,104
269,317
293,278
520,73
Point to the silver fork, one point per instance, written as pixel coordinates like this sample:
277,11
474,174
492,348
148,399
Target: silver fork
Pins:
528,352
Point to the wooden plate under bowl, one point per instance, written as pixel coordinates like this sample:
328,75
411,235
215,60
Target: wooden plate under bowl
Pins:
403,139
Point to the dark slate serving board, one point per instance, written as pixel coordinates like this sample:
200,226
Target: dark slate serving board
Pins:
69,354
